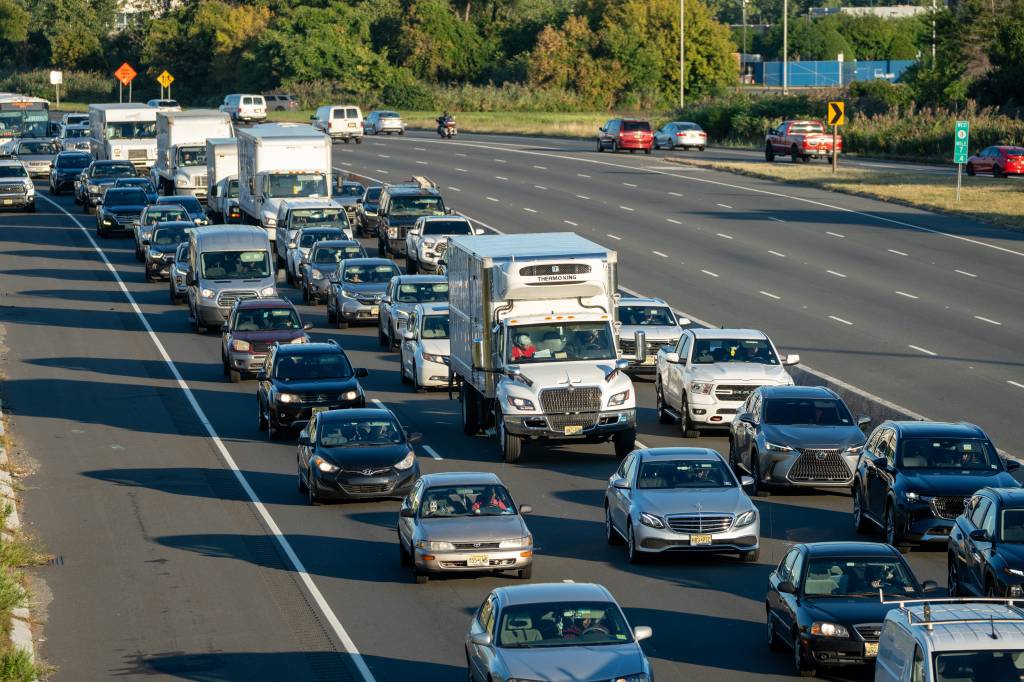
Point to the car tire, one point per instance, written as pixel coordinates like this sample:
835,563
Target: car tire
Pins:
262,418
600,147
800,664
952,581
759,489
625,443
311,497
198,327
615,147
774,643
234,376
611,535
892,532
632,555
769,153
382,340
511,446
342,324
172,297
402,372
331,317
659,397
302,483
416,385
470,410
54,191
656,144
860,521
412,267
526,572
305,295
970,169
997,172
750,557
419,577
273,431
288,278
146,275
359,140
794,154
990,589
700,148
647,151
686,424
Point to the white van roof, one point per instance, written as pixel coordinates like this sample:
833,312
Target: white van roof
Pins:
962,625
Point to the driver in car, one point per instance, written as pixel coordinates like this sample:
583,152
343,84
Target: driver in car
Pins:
489,498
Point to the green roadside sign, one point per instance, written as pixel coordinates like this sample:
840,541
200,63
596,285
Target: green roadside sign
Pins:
960,140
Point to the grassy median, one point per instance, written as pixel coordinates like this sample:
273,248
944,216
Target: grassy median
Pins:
997,201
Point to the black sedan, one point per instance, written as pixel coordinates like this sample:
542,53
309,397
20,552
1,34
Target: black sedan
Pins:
300,380
99,176
119,210
986,547
66,169
356,454
914,478
823,601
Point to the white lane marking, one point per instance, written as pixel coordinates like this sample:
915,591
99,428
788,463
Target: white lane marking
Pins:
965,273
839,319
582,175
500,161
378,403
771,295
1014,383
778,220
922,350
837,274
500,177
659,253
569,222
675,194
420,149
626,208
673,221
380,170
724,205
261,510
491,199
454,189
540,187
432,452
709,273
898,253
460,154
723,236
423,163
629,184
462,170
345,163
529,210
580,196
905,294
378,144
384,156
541,167
776,253
837,235
615,237
985,319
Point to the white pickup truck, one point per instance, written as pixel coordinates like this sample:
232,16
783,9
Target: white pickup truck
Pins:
427,240
707,375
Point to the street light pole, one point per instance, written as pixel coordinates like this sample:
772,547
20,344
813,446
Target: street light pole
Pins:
785,47
682,55
933,33
743,55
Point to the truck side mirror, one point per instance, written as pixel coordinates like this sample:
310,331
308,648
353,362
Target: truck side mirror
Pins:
478,353
640,339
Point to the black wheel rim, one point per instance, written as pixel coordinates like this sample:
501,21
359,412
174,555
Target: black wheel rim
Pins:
856,508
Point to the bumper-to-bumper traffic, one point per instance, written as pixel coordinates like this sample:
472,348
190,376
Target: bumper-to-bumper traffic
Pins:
605,424
798,469
159,269
351,310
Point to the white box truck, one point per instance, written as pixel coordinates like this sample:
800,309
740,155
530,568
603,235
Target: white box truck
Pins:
123,132
222,178
278,161
181,136
534,343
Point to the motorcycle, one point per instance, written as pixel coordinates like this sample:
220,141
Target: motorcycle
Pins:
446,127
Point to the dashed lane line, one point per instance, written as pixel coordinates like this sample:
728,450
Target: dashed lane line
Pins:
836,235
615,237
709,273
529,210
723,235
569,222
837,274
922,350
990,321
965,273
906,295
898,253
627,208
770,295
659,253
776,253
840,320
673,221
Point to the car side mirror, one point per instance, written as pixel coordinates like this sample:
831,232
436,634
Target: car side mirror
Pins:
359,200
863,420
386,299
746,418
979,535
481,639
787,587
292,245
747,482
792,359
602,129
881,462
407,512
620,483
303,440
261,375
145,242
415,438
929,586
642,632
1012,465
312,118
307,326
525,509
672,357
361,372
191,279
409,335
478,231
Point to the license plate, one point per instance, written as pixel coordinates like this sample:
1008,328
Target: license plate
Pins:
650,360
351,125
7,202
477,560
870,649
697,540
318,410
573,430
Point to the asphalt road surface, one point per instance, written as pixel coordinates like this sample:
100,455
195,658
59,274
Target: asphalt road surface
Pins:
183,549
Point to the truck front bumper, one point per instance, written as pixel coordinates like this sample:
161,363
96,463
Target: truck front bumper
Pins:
571,427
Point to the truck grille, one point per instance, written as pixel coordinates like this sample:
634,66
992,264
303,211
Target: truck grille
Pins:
228,298
441,247
869,632
559,269
700,523
137,155
17,188
733,392
200,181
585,399
629,346
820,466
558,422
948,506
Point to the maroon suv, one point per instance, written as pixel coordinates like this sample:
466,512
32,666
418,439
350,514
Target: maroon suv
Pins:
625,133
252,329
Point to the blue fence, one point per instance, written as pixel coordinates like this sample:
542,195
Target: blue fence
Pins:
828,74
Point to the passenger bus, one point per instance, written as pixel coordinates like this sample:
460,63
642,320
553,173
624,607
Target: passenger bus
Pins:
23,116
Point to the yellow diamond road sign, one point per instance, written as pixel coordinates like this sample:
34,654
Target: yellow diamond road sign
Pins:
165,79
836,113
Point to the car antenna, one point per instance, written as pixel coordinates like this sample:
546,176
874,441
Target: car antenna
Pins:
992,625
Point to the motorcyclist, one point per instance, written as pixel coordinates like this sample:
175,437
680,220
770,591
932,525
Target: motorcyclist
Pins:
444,121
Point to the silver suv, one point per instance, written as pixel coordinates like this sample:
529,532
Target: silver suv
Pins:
16,188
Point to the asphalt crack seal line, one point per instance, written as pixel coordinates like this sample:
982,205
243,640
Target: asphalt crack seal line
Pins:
268,520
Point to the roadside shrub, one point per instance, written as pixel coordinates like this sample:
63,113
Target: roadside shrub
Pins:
78,86
16,665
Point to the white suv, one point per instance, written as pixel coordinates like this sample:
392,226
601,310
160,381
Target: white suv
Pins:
16,188
706,376
249,108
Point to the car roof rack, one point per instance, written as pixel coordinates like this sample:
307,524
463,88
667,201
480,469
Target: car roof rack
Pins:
924,619
417,181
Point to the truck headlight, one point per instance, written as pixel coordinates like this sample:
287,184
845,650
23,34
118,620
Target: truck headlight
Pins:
516,543
288,398
181,182
618,398
241,346
518,403
268,291
206,293
651,520
746,518
407,461
829,630
701,387
323,465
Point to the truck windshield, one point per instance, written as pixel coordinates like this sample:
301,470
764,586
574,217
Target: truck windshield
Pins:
284,185
191,156
560,342
979,666
129,130
236,265
328,217
710,351
232,189
417,206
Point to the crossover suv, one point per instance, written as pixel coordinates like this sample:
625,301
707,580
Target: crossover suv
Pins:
366,211
191,205
302,379
427,241
378,122
152,216
159,251
176,285
426,349
659,325
625,133
680,500
915,478
986,545
95,180
796,436
319,269
67,166
404,292
251,330
359,289
300,246
281,102
401,205
120,210
16,188
145,184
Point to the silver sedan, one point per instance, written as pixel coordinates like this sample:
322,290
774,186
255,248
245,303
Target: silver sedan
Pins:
680,500
463,521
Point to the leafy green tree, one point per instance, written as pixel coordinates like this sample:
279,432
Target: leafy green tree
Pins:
73,30
14,20
438,46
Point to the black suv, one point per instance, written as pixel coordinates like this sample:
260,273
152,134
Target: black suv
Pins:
119,210
66,168
400,205
95,180
914,478
986,547
368,206
302,379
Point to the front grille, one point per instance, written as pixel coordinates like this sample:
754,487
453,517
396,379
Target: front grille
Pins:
584,399
17,188
869,632
126,218
168,257
733,392
820,466
226,299
367,472
475,545
700,523
465,564
559,269
200,181
441,247
948,506
260,346
136,154
558,422
629,346
369,300
316,398
365,489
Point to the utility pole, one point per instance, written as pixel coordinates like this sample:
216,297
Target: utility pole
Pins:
743,55
933,33
682,56
785,47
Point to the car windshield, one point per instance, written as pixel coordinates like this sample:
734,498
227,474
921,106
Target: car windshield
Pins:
435,327
283,185
311,366
166,236
76,161
433,292
37,148
466,500
266,319
651,315
635,126
236,265
164,215
13,171
74,131
112,170
416,206
560,342
979,666
327,217
190,204
127,130
806,127
964,454
349,189
372,195
191,156
710,351
352,432
333,254
447,227
685,473
127,196
560,624
369,274
857,576
388,114
806,411
308,239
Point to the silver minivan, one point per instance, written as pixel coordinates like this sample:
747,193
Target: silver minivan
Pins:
227,263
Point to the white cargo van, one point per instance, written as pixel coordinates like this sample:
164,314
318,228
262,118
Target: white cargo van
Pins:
340,121
123,132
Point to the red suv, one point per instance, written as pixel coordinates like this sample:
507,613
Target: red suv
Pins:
999,160
625,133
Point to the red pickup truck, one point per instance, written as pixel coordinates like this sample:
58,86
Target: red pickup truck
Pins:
800,140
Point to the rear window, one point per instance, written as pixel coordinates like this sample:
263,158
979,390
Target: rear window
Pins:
806,127
352,113
634,126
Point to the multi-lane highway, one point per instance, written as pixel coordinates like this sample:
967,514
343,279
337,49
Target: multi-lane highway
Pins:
183,547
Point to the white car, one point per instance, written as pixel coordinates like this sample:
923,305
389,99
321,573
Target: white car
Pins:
383,122
164,104
295,214
705,378
249,108
656,320
425,347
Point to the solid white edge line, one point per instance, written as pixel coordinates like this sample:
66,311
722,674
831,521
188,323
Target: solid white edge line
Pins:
433,453
268,520
839,319
922,350
990,321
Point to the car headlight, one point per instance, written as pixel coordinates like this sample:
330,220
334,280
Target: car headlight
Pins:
443,360
350,395
206,293
435,546
347,294
916,497
651,520
619,398
270,222
407,462
147,234
393,232
829,630
636,677
317,274
323,465
517,543
107,221
288,398
746,518
701,387
156,255
93,189
268,291
181,182
518,403
241,346
1014,571
775,447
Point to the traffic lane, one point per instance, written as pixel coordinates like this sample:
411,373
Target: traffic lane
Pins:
843,320
119,600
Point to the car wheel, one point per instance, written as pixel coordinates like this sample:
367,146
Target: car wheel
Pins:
359,140
632,555
794,154
412,267
288,277
262,417
774,643
305,295
171,293
311,497
800,664
402,372
198,326
990,589
970,169
403,557
273,431
331,317
997,172
860,521
952,581
417,386
892,533
526,572
234,376
600,147
511,446
769,153
656,144
686,425
138,253
663,416
611,535
700,148
302,482
615,147
54,191
759,488
420,577
382,340
647,151
340,321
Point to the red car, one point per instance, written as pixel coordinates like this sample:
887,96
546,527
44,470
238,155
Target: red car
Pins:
1000,161
625,133
252,329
